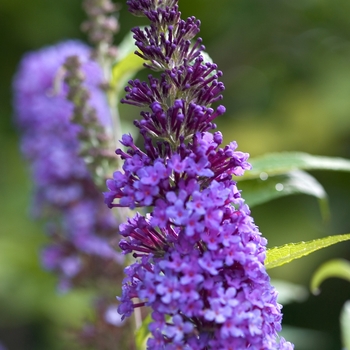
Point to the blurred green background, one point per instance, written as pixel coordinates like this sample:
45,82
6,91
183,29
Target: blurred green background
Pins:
286,69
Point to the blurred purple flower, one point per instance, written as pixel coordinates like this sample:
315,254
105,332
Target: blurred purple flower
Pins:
112,316
65,194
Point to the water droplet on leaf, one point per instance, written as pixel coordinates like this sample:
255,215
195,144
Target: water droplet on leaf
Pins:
263,176
279,187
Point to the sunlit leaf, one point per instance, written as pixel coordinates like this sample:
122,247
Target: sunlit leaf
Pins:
125,70
334,268
126,65
126,46
345,325
281,163
258,191
143,333
279,256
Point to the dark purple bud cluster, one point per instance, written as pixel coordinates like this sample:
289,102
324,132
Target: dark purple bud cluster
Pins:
167,42
179,101
198,87
142,8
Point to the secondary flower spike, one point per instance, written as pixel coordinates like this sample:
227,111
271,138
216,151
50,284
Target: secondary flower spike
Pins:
65,194
199,256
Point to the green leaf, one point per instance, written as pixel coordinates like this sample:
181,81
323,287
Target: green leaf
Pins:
126,46
125,70
334,268
279,256
206,57
345,325
258,191
280,163
126,65
143,333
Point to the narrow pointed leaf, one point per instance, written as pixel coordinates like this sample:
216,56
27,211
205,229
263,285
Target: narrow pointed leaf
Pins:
126,65
280,163
345,325
125,70
126,47
334,268
279,256
258,191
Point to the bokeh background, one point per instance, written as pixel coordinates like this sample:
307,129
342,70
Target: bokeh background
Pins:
286,69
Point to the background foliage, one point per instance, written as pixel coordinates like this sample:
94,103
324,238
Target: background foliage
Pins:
286,69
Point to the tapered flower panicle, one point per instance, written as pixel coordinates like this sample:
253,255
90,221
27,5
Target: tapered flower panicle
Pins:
199,256
65,194
180,100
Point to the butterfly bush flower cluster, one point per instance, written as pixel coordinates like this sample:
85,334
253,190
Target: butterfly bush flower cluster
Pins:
79,224
199,256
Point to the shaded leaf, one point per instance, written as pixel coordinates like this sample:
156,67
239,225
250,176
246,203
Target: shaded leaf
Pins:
334,268
289,292
283,162
345,325
279,256
306,339
258,191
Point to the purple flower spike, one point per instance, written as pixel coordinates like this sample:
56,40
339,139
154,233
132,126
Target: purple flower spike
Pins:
65,193
200,257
